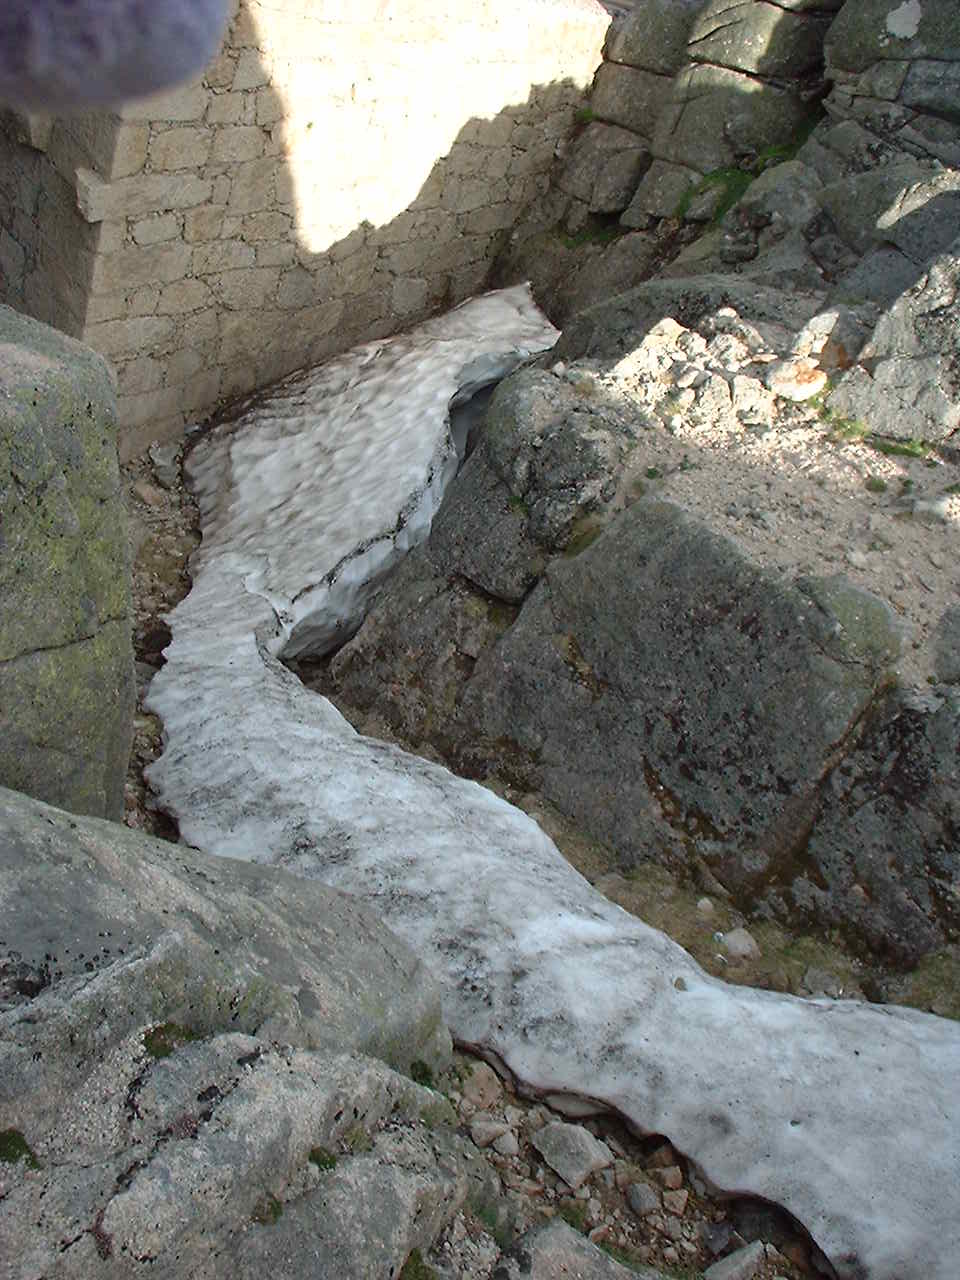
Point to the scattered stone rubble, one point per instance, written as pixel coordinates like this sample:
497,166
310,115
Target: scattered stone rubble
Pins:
595,1183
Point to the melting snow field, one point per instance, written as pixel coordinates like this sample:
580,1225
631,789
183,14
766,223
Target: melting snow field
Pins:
847,1114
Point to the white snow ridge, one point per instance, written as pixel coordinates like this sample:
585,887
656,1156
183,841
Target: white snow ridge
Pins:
847,1114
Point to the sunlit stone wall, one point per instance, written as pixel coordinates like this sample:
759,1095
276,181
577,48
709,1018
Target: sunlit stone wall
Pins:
344,168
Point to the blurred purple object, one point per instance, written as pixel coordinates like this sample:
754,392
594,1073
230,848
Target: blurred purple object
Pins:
59,55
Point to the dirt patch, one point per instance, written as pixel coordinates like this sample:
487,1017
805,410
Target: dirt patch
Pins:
163,526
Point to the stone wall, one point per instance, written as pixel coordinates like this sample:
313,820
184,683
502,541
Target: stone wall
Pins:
340,172
690,88
46,246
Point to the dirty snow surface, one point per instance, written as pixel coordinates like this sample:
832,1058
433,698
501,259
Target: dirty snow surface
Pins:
845,1113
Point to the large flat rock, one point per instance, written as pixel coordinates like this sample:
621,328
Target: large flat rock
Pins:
94,914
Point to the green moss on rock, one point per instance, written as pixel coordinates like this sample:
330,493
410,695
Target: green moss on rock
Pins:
416,1269
14,1148
268,1210
323,1159
66,660
163,1040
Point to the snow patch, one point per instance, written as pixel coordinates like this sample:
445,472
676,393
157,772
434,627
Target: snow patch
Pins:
844,1113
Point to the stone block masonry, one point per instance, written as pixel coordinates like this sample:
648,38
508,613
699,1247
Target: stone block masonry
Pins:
341,171
688,88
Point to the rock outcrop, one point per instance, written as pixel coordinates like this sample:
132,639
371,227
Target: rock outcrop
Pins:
66,662
875,194
184,1072
641,673
848,252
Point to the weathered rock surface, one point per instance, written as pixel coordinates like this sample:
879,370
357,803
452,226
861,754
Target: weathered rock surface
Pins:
883,851
557,1251
364,1219
744,1264
670,699
867,32
653,35
745,84
603,167
948,647
880,172
572,1151
718,115
90,910
751,73
763,38
629,96
661,193
906,382
546,460
66,662
645,49
611,329
144,991
234,1157
571,274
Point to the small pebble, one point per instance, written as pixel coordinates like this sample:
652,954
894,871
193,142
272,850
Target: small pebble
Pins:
664,1156
676,1201
932,510
484,1130
740,944
482,1088
643,1199
507,1144
148,493
671,1177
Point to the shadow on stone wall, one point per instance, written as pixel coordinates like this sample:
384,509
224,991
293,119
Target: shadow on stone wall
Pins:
236,294
380,279
47,251
193,263
458,235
